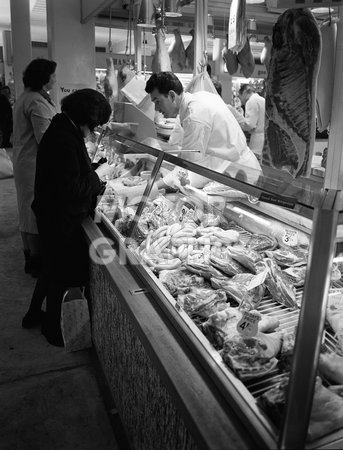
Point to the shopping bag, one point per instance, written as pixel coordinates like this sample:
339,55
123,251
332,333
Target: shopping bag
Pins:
201,82
6,166
75,321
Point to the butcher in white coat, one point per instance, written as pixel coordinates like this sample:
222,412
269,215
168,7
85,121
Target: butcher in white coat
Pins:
208,126
253,120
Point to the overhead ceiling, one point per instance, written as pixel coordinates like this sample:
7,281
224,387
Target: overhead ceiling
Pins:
219,10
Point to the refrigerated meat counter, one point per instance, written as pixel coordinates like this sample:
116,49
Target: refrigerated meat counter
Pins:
172,387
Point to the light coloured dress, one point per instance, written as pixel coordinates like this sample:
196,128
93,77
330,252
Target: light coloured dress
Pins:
32,115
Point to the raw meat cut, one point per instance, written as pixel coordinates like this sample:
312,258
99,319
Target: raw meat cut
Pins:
180,281
277,283
177,53
161,60
252,357
326,414
223,324
110,81
334,315
230,59
246,59
248,258
287,257
226,264
236,288
266,52
290,93
261,242
331,366
189,52
202,301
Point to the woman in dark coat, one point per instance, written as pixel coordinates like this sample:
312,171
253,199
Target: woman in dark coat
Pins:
66,189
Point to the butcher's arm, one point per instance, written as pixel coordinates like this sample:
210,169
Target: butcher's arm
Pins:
251,116
197,136
40,115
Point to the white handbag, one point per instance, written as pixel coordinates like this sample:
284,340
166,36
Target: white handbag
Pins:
75,321
6,166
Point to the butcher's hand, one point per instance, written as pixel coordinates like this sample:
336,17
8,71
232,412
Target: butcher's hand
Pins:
104,170
176,178
124,129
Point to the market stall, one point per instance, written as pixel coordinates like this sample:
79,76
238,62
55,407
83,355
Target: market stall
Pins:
217,312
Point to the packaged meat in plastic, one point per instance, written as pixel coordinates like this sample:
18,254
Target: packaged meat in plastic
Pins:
180,281
223,324
252,357
326,413
202,301
248,258
237,289
261,242
226,264
220,325
277,283
203,268
287,257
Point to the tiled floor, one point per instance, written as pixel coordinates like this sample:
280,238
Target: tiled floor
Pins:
50,399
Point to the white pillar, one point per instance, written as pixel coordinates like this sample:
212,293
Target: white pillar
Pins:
21,40
72,46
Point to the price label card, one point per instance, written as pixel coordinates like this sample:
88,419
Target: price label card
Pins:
248,324
290,237
257,279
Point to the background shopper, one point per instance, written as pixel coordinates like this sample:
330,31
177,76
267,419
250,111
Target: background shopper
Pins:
32,115
6,117
253,118
66,190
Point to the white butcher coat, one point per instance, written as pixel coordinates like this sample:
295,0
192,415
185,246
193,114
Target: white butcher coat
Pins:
253,122
209,126
31,117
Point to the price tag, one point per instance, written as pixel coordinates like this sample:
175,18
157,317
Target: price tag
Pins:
248,324
335,300
290,237
258,279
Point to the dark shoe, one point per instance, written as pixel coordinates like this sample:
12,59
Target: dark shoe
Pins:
54,337
32,319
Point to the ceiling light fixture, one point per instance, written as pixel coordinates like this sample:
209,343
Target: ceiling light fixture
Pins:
172,8
147,14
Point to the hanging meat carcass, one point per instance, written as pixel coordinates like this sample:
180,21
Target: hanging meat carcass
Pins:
125,74
230,59
246,59
290,93
190,52
266,52
110,81
177,53
161,59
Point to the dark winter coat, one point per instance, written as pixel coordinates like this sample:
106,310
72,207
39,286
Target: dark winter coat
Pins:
66,188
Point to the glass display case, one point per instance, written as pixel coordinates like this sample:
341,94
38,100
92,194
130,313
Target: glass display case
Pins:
249,275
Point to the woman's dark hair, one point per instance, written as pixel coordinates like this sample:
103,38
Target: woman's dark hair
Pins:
86,107
38,73
164,82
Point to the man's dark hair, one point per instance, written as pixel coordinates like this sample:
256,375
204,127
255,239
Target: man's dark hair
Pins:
209,69
86,107
164,82
246,88
38,73
218,86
